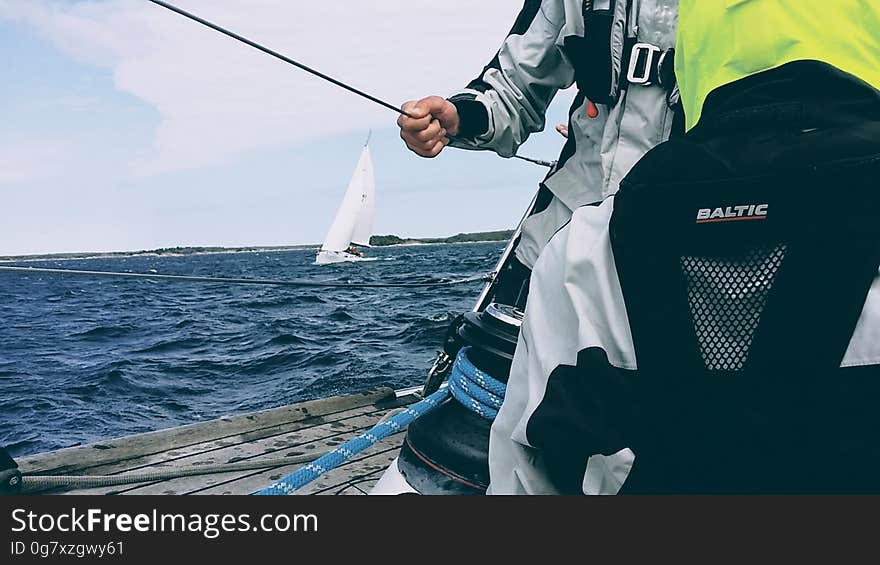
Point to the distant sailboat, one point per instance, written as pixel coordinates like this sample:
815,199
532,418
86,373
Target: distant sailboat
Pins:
353,224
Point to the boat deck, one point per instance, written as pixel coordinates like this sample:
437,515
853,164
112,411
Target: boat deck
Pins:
295,430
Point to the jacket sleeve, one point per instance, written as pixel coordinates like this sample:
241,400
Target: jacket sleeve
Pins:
507,102
549,436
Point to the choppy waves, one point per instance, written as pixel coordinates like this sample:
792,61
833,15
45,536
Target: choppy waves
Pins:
88,359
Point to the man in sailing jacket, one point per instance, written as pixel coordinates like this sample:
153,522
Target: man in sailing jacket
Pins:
671,346
617,53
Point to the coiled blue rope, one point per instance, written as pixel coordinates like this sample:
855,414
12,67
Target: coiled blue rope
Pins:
475,389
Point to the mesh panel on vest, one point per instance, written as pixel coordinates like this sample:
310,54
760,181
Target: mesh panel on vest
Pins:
727,296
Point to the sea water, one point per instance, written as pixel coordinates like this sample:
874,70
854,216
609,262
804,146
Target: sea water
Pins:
87,359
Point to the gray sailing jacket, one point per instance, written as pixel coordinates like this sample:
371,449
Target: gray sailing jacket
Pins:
542,55
651,331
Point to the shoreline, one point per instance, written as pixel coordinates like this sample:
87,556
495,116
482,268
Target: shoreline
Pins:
230,251
129,255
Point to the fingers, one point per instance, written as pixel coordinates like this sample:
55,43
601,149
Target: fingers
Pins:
419,120
427,142
434,105
434,149
433,132
442,110
421,131
563,130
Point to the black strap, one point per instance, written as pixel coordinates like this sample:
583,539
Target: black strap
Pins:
6,460
644,64
10,476
641,63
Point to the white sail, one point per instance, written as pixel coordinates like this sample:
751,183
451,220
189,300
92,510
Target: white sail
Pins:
355,214
363,229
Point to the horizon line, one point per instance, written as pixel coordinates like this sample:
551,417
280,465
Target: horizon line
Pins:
219,248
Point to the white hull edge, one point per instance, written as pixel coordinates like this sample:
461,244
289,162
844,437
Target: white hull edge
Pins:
392,483
330,257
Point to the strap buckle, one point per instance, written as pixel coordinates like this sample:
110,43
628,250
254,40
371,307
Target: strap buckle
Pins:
642,64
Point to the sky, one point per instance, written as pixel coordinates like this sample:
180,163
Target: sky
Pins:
124,126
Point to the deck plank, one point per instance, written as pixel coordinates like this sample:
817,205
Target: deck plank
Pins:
369,468
315,439
73,459
363,463
315,426
153,460
357,488
318,440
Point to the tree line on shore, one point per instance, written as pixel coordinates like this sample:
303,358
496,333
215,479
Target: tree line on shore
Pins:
384,240
375,241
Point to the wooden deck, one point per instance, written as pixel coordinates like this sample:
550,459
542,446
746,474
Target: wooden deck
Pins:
309,427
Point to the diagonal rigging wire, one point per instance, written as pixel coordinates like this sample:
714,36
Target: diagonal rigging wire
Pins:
541,162
227,280
277,55
303,67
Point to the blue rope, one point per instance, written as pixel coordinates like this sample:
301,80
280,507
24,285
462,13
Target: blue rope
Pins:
475,389
478,391
341,454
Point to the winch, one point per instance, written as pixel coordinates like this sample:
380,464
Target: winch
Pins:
446,451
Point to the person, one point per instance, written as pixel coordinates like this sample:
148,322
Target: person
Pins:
617,52
671,346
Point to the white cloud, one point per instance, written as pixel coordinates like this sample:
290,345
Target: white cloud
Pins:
28,161
218,98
